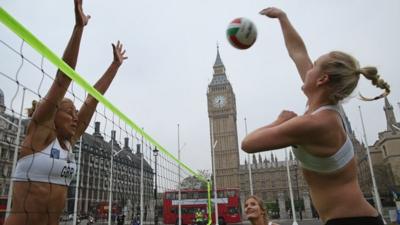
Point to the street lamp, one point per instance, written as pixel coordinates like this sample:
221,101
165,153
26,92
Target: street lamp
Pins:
155,153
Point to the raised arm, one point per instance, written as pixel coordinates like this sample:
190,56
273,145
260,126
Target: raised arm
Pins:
294,43
47,108
89,106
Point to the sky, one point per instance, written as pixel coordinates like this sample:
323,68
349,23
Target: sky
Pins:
172,47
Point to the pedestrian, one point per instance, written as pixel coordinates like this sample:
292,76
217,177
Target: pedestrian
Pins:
256,212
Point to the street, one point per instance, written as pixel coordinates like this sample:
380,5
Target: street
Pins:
280,222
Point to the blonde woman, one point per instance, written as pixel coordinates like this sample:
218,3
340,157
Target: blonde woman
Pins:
46,163
320,141
255,211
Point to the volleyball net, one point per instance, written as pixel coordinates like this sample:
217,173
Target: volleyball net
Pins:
122,172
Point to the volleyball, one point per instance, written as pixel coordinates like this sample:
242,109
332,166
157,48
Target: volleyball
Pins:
241,33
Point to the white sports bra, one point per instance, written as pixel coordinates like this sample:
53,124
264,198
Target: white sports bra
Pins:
326,164
51,165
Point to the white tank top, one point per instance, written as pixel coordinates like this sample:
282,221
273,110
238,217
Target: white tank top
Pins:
326,164
51,165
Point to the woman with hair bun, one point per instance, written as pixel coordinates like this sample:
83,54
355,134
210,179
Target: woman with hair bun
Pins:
319,138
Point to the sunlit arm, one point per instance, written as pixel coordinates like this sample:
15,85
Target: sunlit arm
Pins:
295,46
89,106
296,131
47,108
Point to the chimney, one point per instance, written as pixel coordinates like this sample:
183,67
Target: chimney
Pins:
138,149
126,145
97,130
113,132
96,127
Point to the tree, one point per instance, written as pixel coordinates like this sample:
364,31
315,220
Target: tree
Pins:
192,182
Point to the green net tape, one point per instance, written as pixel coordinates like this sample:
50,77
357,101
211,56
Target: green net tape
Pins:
35,43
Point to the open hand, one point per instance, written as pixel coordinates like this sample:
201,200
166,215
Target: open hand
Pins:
119,53
272,12
80,18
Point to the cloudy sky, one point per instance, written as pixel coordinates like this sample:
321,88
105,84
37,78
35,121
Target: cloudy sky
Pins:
172,47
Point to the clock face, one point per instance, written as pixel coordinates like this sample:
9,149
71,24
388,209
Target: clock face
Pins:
219,101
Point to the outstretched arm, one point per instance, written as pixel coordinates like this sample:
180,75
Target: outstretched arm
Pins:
89,106
47,108
294,43
288,129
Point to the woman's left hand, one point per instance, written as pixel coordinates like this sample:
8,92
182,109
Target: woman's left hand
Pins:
286,115
119,53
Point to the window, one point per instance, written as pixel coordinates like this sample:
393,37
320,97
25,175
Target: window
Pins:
230,194
384,150
170,196
233,210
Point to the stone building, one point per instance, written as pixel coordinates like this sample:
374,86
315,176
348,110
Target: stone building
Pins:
95,175
8,133
222,117
385,157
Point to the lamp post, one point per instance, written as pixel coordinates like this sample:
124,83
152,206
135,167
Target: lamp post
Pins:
374,187
249,164
290,189
155,153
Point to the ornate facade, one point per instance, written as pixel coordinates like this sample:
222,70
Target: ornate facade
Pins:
222,116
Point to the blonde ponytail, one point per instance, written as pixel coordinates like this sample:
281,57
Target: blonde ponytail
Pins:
371,73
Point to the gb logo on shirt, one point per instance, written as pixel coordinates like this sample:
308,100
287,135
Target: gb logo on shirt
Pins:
55,153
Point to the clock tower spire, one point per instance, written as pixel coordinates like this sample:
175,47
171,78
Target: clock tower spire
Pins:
223,129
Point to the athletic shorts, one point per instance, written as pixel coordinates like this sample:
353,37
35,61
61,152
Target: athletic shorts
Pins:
364,220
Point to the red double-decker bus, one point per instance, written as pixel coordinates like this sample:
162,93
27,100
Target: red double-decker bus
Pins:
229,209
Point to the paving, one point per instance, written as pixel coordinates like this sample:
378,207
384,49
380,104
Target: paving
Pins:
280,222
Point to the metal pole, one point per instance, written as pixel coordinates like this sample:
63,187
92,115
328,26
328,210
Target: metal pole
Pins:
179,182
215,185
214,144
141,182
298,193
248,163
377,197
155,187
111,182
209,202
290,188
10,190
77,181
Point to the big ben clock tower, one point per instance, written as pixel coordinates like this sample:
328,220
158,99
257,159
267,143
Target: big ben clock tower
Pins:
223,129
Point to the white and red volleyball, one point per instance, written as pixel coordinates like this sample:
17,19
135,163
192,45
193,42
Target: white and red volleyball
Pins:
241,33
